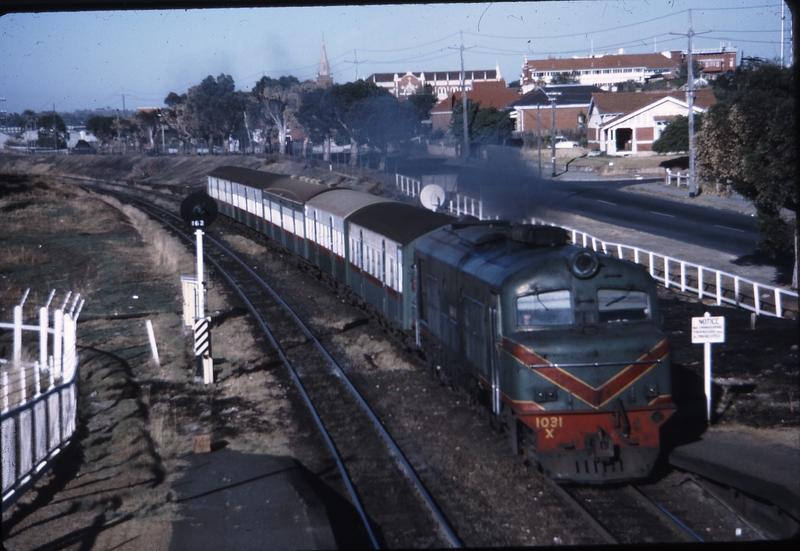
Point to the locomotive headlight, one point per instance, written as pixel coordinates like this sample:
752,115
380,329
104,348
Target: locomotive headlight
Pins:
584,264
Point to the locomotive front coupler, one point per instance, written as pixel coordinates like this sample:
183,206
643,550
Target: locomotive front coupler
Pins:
601,446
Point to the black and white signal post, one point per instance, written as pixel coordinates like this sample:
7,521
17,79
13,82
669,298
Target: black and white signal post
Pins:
199,210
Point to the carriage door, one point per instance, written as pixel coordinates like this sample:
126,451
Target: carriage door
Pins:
494,361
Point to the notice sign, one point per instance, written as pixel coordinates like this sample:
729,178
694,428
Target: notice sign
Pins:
710,329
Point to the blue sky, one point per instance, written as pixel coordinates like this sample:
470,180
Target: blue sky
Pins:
88,60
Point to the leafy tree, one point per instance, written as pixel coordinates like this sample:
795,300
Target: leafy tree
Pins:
421,104
487,126
48,138
212,110
177,117
147,123
103,127
279,100
457,118
515,85
492,126
683,72
317,119
749,140
675,136
17,119
383,120
348,108
627,86
173,99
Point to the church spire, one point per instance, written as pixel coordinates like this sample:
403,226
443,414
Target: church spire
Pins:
324,75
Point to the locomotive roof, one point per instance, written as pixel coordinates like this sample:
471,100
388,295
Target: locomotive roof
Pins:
399,222
344,202
288,187
485,250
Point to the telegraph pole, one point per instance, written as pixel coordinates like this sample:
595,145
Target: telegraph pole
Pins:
55,128
690,102
118,139
464,98
552,97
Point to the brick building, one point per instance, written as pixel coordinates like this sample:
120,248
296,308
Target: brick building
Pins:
444,83
534,110
488,94
609,70
628,123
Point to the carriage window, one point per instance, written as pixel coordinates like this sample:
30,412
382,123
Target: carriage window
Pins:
545,308
622,305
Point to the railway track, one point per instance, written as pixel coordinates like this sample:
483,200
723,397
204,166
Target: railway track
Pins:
625,515
619,515
393,503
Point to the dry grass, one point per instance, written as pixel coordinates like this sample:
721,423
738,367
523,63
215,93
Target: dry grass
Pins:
167,252
11,256
233,341
243,245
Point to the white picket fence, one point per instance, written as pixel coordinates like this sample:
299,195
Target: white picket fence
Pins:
39,396
723,287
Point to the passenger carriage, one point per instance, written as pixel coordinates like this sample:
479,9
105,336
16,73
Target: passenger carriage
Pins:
381,255
272,204
327,232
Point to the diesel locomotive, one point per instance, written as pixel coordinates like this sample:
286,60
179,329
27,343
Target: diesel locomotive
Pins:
560,343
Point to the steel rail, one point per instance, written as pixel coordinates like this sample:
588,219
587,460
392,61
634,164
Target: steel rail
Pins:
398,454
406,467
679,528
286,362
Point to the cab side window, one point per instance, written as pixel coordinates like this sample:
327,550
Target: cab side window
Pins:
545,308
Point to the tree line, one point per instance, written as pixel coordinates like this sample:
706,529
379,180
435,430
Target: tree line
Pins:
215,114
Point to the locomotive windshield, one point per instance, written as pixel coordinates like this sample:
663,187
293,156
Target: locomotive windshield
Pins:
622,305
545,308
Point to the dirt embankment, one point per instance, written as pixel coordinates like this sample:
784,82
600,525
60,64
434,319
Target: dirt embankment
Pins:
187,171
112,488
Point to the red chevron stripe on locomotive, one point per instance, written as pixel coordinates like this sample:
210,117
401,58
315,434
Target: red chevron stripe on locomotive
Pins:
595,397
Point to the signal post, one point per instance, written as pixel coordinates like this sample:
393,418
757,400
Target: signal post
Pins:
199,210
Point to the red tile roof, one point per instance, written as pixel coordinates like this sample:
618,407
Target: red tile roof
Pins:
620,61
623,103
489,94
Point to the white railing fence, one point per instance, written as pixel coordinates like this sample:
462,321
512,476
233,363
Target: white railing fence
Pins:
724,288
407,185
681,178
466,205
39,397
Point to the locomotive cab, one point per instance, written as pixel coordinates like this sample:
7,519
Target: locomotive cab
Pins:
596,364
564,342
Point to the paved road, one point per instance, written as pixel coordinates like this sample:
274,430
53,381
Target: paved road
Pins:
517,193
725,231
